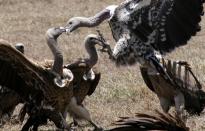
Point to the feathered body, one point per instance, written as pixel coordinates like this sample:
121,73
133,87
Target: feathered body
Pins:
9,99
142,26
146,122
185,82
83,87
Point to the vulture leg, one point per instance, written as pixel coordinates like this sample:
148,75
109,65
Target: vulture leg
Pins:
75,122
58,119
179,105
81,112
40,118
165,104
22,113
28,123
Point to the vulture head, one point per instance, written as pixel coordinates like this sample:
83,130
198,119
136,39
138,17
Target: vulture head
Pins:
73,24
20,47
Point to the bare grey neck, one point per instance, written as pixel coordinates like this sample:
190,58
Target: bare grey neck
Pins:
94,20
91,50
58,57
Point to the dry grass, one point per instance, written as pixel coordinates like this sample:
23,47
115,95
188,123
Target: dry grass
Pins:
121,91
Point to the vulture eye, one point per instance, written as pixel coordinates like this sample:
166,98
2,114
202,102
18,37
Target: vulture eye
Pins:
91,39
70,23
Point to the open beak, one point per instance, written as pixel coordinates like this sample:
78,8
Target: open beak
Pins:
68,30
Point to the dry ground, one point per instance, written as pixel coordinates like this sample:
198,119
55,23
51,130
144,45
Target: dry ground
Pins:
121,91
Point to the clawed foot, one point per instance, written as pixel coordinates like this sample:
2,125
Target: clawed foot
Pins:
105,45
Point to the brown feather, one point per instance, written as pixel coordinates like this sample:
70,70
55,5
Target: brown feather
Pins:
155,121
33,82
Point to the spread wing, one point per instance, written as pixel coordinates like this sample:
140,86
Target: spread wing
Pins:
180,24
166,24
17,72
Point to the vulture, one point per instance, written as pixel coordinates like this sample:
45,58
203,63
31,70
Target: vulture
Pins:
85,79
147,122
143,27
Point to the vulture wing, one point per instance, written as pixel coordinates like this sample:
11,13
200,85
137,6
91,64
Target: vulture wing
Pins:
178,21
145,76
165,24
16,71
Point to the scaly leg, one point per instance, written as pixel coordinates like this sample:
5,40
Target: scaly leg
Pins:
82,112
179,105
165,104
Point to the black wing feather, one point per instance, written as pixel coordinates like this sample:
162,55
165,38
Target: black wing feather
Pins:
146,78
182,22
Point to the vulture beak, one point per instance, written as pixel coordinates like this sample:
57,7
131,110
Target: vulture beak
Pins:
72,24
68,30
63,29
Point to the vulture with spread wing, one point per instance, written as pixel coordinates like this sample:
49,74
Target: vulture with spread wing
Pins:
141,27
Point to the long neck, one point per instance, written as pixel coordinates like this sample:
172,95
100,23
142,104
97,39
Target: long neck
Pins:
58,57
94,20
91,50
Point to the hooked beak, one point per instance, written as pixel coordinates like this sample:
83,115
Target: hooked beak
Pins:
68,29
